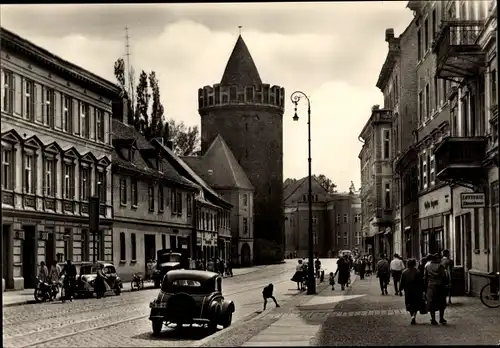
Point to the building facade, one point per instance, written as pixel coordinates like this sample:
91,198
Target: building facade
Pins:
249,116
153,204
219,168
470,166
336,220
376,182
213,212
398,83
56,154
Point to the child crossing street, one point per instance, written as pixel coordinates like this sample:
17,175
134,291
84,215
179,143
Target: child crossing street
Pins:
268,293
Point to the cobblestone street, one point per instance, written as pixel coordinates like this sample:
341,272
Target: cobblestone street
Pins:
123,320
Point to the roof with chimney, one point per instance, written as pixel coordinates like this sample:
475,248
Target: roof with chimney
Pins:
240,68
219,168
126,137
184,168
298,191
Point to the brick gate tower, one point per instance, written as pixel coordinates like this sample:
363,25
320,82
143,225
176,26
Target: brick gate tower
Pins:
248,114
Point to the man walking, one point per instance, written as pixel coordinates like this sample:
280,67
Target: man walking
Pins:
448,265
396,267
382,270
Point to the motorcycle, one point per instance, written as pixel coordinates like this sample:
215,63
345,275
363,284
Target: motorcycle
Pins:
137,282
45,292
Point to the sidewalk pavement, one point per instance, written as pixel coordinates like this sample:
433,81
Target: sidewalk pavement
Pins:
20,297
361,316
300,325
368,318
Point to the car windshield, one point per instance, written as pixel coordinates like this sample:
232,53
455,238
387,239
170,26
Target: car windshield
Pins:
88,270
109,270
170,258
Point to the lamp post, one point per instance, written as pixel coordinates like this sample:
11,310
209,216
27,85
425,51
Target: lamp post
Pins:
295,98
94,219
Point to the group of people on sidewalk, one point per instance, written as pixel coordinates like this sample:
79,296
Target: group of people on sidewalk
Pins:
217,265
426,285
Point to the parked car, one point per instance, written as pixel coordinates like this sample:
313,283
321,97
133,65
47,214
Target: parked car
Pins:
85,280
191,297
166,261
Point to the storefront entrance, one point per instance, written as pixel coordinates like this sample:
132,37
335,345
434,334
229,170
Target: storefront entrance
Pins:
29,252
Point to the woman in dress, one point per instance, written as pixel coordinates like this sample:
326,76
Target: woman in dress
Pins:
298,276
412,285
436,282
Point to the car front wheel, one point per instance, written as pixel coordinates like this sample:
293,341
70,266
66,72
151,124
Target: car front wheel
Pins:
157,326
118,291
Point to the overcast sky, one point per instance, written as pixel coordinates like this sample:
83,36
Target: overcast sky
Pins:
331,51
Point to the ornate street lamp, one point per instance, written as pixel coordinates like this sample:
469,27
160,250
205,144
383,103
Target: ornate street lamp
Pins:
295,97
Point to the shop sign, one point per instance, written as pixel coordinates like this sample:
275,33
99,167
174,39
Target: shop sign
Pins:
431,204
472,200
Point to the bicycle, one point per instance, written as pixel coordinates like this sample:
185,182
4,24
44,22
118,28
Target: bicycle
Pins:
491,291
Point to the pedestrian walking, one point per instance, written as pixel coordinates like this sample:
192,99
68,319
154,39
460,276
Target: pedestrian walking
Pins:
435,283
43,272
298,277
412,284
362,268
331,280
268,293
100,282
222,267
343,270
382,270
69,272
317,266
230,267
396,267
448,264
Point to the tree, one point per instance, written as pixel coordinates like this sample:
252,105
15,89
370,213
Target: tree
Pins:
120,73
186,139
288,182
157,124
141,119
326,183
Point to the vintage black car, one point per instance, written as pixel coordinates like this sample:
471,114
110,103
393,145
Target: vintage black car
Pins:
191,297
167,260
85,280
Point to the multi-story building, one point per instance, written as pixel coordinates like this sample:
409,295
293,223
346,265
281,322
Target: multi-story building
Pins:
376,182
398,83
466,159
219,168
248,114
153,204
336,220
56,152
212,212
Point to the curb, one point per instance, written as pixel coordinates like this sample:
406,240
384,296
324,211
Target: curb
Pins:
32,301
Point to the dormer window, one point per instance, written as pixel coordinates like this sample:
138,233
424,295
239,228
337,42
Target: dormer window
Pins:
131,154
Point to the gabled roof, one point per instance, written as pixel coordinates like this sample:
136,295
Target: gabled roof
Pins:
191,174
301,187
219,168
240,68
125,134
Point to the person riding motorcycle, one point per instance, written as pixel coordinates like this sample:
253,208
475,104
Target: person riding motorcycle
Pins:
69,272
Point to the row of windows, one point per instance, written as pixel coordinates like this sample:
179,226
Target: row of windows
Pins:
176,198
50,174
133,244
427,170
20,97
357,218
346,239
209,221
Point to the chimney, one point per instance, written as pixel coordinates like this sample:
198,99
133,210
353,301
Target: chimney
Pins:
120,110
375,107
389,35
170,145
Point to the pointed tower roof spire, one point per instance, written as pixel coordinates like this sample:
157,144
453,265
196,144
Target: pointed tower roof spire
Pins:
240,68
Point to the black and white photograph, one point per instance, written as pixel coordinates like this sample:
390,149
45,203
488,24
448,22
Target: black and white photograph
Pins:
250,174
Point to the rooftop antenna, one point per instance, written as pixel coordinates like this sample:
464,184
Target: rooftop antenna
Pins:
130,87
239,28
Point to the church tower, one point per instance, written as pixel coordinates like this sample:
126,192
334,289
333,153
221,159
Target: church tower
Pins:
248,114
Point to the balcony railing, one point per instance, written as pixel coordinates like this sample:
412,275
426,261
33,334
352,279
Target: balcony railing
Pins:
460,159
457,50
